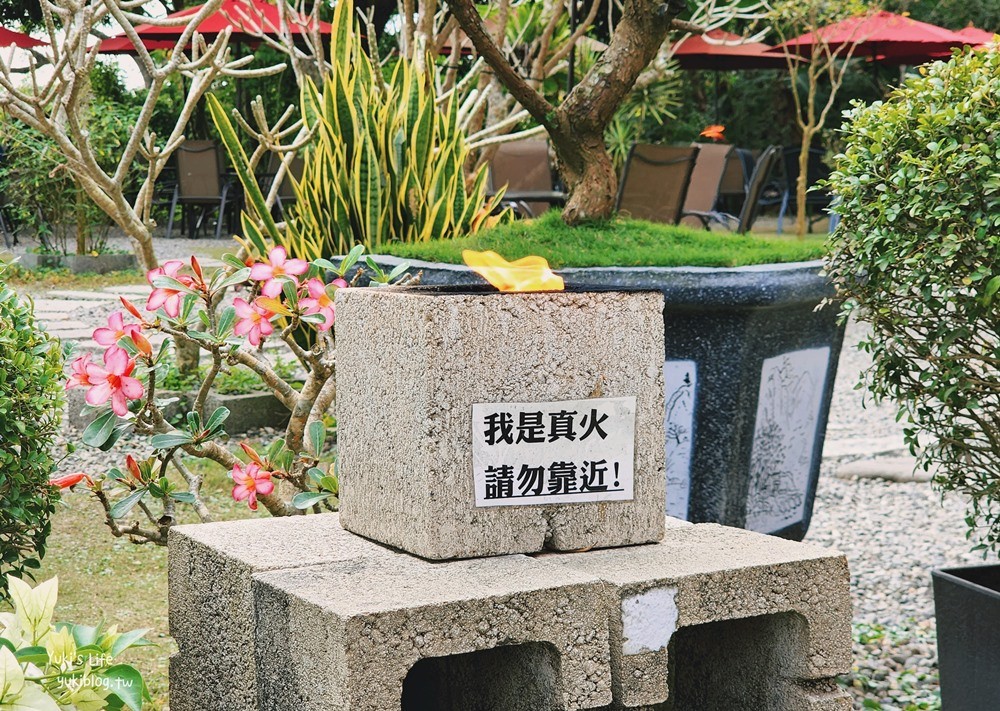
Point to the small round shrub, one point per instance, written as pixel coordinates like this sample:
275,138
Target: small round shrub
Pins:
30,413
917,254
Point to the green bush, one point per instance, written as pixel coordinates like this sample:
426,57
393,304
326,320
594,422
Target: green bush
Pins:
30,412
918,250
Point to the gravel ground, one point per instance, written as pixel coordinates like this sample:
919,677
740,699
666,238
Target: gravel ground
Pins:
892,533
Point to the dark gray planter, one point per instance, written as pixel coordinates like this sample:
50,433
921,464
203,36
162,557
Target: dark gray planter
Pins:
967,608
749,369
246,412
80,264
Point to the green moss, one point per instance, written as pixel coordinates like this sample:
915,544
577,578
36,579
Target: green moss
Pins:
617,242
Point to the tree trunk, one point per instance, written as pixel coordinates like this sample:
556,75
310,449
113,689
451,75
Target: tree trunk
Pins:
586,167
577,126
802,186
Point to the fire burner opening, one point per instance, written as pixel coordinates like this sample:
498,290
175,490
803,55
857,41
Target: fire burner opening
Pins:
737,665
522,677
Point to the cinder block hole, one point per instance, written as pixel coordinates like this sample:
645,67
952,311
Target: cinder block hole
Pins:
522,677
738,665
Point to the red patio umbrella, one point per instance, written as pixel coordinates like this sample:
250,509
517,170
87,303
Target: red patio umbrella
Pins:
248,19
18,39
975,36
883,35
724,50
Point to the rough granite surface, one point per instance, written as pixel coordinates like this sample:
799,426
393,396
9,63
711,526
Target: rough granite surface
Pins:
210,571
345,636
793,596
296,613
409,369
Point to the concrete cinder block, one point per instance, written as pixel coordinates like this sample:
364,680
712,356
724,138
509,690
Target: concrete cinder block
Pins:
368,634
410,366
753,621
211,605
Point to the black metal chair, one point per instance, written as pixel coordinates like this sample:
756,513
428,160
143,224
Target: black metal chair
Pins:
200,187
816,171
752,201
655,181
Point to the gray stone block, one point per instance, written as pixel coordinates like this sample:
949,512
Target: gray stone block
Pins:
296,613
411,365
211,605
370,634
714,613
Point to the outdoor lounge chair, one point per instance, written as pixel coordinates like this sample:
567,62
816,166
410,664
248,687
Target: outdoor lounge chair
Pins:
523,167
762,170
705,184
816,171
200,187
655,181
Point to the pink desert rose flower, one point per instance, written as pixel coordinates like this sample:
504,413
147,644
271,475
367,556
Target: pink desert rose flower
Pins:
116,330
78,372
169,299
275,266
253,321
319,302
250,482
113,381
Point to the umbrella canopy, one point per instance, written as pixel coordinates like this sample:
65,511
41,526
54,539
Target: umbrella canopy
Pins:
248,19
18,39
884,35
724,50
976,36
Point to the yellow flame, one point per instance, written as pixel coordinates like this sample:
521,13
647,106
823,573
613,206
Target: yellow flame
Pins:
526,274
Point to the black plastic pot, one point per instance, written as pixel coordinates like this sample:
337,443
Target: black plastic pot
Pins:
749,369
967,607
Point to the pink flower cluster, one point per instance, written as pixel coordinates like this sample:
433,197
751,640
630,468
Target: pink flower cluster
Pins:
112,381
254,319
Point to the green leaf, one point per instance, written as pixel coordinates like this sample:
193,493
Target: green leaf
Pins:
315,437
217,418
183,496
125,682
135,638
121,508
170,440
236,278
98,431
307,499
32,655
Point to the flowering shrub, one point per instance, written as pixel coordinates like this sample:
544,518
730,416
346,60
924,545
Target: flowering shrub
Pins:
281,296
917,255
30,410
62,667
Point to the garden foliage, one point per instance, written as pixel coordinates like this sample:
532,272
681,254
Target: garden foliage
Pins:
386,160
917,254
41,194
47,666
30,414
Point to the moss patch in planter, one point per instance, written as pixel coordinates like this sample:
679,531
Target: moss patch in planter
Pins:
617,242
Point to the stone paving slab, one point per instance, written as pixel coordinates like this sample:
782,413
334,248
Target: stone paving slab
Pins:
128,290
82,295
61,304
863,447
902,469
